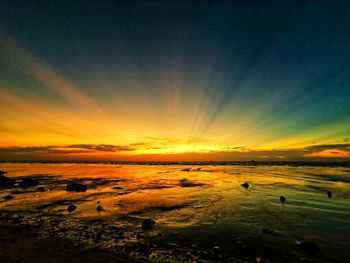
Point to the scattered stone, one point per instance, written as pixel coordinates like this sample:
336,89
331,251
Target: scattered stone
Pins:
245,185
8,197
258,260
71,208
98,202
282,199
309,247
329,194
2,173
99,208
186,169
6,182
27,182
76,188
199,168
147,224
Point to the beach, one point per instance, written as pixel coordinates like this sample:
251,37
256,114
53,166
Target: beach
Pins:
175,213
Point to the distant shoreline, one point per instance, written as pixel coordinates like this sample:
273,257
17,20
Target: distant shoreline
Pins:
232,163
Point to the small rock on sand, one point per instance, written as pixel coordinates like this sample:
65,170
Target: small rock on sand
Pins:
27,182
245,185
329,194
8,197
282,199
71,208
76,188
99,208
186,169
6,182
147,224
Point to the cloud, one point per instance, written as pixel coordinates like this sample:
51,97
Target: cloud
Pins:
329,151
102,147
67,149
107,152
320,147
41,72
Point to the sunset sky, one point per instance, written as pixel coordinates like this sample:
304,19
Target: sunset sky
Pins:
181,81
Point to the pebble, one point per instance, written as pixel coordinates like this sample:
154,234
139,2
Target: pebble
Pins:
71,208
8,197
147,224
27,182
76,188
245,185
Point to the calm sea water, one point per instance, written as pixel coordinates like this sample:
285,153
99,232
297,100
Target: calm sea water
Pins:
206,204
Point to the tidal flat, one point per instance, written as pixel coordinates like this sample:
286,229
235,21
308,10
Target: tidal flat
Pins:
175,213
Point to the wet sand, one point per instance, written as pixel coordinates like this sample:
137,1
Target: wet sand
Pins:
200,213
24,243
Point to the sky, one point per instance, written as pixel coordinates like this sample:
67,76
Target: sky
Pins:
175,80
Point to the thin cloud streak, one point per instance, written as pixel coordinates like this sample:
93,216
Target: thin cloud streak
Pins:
32,66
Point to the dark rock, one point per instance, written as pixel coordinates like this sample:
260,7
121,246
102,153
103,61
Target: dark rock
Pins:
76,188
71,208
2,173
99,208
245,185
329,194
282,199
186,169
6,182
147,224
27,182
309,247
8,197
